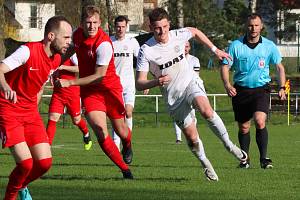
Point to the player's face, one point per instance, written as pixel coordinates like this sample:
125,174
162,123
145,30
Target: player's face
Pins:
187,48
254,28
62,39
121,29
160,30
91,25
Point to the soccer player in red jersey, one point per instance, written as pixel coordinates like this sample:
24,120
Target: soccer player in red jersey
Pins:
67,97
100,87
22,76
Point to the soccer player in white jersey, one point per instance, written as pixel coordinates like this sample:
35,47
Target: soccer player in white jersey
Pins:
163,56
195,65
125,49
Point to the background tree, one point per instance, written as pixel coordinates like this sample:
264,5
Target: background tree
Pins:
220,25
277,15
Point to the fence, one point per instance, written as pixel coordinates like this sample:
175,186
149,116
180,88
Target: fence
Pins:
219,105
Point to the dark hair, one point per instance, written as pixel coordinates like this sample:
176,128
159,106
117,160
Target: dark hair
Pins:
254,16
121,18
158,14
53,24
89,11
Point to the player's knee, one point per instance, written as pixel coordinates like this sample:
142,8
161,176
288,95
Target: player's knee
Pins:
76,120
26,165
44,164
128,114
207,114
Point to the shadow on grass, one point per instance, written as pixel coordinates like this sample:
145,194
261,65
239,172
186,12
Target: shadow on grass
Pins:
104,179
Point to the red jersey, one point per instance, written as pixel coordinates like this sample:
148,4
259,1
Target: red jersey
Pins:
28,79
64,74
86,53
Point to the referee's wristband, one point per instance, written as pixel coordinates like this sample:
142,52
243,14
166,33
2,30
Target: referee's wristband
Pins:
282,88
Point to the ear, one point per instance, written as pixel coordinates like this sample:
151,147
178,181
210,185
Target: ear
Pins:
150,27
51,36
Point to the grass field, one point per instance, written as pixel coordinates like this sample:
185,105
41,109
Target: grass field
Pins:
164,170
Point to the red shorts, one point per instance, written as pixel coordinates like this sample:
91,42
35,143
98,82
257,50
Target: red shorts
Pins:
109,101
27,128
60,101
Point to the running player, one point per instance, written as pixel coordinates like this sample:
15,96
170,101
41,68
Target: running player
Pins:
163,56
125,49
22,76
100,87
69,98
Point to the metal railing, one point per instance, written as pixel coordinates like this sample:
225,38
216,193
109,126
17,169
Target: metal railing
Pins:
213,97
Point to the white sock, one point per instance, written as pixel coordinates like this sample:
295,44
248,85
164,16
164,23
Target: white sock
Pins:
198,150
86,135
177,132
129,122
217,126
116,139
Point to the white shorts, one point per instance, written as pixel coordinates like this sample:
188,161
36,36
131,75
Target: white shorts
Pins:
184,114
129,96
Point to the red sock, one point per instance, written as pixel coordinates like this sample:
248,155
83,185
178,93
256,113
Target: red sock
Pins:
51,129
112,151
83,126
127,141
17,178
39,168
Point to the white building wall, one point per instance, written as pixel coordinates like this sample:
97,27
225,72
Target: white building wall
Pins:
22,15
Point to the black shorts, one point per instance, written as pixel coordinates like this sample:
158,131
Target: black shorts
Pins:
249,100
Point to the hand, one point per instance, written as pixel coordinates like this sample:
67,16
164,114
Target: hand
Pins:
62,83
231,91
145,92
164,80
9,94
281,94
61,67
222,54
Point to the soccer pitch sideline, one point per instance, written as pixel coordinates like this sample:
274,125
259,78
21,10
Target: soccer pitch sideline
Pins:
165,170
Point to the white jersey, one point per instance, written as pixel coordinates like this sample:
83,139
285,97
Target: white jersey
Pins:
168,58
193,62
124,50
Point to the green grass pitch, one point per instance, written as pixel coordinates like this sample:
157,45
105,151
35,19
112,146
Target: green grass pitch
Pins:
164,170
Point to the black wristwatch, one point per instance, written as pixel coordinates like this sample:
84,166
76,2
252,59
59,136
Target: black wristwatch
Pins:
282,88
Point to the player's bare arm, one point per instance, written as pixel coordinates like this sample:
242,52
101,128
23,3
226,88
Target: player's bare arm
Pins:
100,72
69,68
203,39
282,79
4,87
142,82
231,91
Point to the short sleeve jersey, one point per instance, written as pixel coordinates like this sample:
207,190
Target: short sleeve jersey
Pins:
65,74
28,77
252,66
87,54
124,51
193,62
169,58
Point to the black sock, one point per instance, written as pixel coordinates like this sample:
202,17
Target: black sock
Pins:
244,140
262,141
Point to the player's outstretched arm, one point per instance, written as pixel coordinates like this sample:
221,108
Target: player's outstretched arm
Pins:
100,72
203,39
